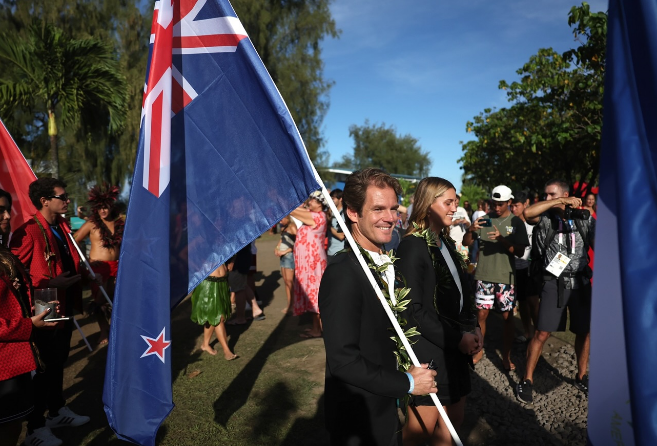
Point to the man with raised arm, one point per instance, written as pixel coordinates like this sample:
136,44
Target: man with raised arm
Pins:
362,380
562,239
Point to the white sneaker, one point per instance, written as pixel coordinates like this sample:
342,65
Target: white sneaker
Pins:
42,437
66,417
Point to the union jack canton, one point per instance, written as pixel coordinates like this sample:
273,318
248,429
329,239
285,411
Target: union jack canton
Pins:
177,29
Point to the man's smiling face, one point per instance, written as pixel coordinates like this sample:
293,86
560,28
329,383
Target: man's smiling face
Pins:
373,227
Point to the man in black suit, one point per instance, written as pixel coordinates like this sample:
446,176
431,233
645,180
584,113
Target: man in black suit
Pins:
362,380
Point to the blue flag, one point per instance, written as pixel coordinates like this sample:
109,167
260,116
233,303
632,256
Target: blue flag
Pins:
623,390
220,161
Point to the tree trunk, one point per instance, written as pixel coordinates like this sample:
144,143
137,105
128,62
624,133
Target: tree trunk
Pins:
54,153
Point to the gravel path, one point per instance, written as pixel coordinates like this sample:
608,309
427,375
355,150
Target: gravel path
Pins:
494,416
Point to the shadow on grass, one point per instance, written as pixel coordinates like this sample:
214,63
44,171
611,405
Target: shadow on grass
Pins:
276,406
87,393
237,393
308,431
266,294
269,284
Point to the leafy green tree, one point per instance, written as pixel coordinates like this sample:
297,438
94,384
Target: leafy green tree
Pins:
54,75
472,193
380,146
94,155
408,189
553,127
287,35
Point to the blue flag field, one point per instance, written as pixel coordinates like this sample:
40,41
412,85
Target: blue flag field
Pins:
220,161
623,389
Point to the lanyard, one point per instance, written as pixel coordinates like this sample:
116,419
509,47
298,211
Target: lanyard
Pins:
59,237
572,236
452,269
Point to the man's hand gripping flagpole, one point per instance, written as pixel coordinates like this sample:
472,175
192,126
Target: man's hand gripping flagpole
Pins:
386,307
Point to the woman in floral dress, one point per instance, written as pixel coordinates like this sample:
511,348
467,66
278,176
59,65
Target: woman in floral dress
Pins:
309,260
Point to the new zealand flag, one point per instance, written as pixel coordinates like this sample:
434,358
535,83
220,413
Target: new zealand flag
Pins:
220,161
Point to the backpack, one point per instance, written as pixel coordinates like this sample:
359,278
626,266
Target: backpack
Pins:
537,259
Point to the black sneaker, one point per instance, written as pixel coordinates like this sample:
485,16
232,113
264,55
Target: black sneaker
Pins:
524,392
582,384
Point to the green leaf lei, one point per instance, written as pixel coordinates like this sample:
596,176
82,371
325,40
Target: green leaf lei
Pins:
48,253
401,292
444,279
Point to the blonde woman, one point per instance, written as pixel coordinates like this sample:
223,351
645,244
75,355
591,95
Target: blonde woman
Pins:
441,309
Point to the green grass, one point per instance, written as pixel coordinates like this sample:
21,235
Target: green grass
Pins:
271,394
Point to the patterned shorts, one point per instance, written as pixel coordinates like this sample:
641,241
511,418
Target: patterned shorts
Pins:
487,293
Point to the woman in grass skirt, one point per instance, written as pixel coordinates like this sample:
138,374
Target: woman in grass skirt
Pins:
211,307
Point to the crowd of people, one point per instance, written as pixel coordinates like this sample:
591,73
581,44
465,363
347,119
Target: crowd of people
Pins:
33,349
443,268
454,265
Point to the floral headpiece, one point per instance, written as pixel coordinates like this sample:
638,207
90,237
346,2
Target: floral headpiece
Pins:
317,195
103,196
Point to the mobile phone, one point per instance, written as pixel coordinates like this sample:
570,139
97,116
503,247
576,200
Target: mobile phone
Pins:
57,319
485,222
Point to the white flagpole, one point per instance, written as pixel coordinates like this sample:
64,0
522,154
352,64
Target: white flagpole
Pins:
91,271
386,307
370,277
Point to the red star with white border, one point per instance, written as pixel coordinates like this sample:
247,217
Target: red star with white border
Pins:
156,346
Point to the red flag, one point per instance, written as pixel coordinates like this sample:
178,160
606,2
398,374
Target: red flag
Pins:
15,178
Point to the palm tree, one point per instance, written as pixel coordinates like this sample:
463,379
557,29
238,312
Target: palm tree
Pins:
74,82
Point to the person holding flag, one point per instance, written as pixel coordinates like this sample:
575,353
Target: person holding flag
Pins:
214,130
362,380
45,250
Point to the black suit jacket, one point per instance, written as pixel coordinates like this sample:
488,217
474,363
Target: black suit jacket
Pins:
362,380
439,339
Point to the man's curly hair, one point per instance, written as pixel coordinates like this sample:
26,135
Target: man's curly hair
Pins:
43,188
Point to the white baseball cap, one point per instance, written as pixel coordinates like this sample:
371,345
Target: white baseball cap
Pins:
501,193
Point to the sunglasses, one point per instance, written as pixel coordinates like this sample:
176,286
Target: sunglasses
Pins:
63,197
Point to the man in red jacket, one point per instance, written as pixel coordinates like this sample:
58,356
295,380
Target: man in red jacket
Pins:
43,246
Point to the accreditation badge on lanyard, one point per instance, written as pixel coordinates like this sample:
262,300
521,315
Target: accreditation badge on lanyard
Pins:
561,261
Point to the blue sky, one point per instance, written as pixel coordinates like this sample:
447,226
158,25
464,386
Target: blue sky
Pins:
427,67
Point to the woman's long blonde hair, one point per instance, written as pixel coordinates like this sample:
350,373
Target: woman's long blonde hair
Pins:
428,189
